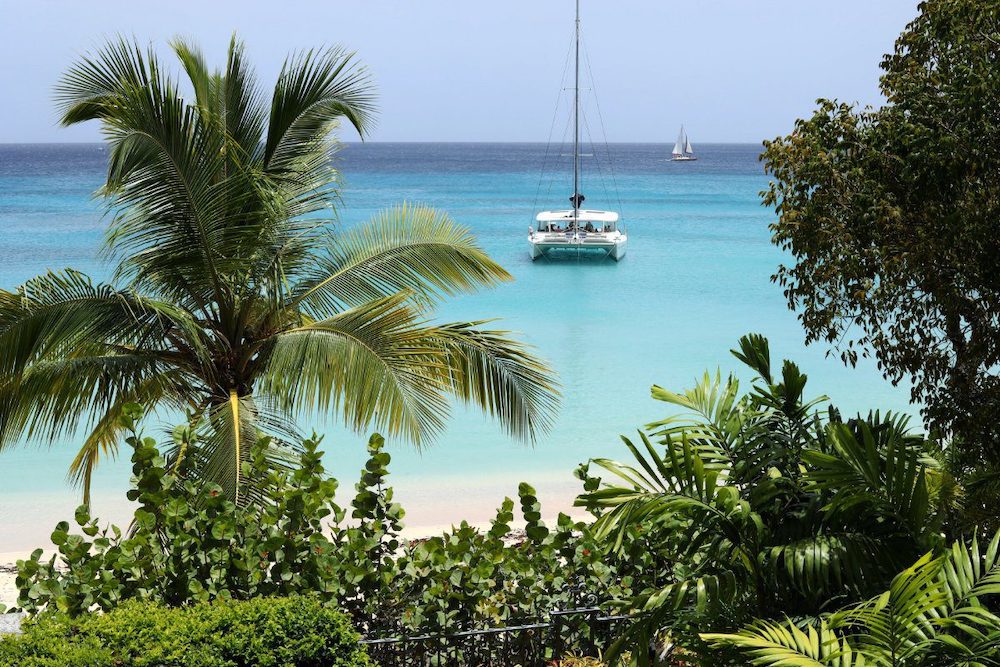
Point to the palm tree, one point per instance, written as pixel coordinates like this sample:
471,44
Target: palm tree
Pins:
234,297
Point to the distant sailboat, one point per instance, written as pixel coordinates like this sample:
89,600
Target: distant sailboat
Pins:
682,149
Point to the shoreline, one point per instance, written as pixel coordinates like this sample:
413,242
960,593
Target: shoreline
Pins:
8,576
27,519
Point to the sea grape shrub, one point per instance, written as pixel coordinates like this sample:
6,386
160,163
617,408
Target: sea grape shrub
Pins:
190,543
466,577
267,632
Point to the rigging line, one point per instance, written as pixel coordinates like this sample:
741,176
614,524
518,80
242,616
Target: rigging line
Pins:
597,159
552,127
564,141
600,116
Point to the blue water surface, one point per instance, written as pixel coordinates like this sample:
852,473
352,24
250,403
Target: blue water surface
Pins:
696,277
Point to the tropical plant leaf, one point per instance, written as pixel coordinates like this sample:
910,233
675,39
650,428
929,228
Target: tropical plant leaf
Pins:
403,249
786,645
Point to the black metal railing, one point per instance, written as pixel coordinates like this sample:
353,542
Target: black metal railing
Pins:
583,632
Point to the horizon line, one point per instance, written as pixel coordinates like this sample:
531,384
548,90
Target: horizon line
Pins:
415,141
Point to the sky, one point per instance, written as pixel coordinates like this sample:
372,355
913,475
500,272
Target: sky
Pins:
471,70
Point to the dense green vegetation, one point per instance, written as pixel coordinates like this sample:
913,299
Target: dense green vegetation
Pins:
190,543
766,507
771,513
755,508
236,299
892,218
296,631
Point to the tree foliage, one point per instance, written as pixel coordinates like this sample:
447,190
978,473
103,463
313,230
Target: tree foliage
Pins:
236,297
891,217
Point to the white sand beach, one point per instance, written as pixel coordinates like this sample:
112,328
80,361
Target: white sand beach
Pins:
8,589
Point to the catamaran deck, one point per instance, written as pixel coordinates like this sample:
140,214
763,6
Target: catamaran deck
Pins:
577,230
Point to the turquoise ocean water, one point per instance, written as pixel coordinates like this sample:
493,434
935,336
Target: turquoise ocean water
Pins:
696,277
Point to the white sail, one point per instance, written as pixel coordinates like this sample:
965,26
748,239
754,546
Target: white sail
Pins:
687,146
679,146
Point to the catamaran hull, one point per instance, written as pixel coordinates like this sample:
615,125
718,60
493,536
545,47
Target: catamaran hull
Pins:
615,250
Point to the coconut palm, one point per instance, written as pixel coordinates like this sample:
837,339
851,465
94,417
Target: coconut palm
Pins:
235,297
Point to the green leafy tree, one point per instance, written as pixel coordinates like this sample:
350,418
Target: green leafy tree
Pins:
763,507
892,219
234,298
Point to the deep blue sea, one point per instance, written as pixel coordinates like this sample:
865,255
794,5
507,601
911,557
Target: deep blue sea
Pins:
696,277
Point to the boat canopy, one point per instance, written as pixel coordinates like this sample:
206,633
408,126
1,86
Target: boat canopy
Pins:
583,215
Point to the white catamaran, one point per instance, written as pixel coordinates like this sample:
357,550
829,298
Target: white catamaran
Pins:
682,149
577,228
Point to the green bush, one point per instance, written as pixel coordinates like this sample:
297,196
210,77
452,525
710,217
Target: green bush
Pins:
272,632
190,543
756,505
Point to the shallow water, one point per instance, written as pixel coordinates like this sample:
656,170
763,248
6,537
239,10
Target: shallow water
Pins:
696,277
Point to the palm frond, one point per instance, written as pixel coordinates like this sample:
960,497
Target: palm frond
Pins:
91,89
970,572
898,621
678,484
231,98
54,312
755,352
715,419
193,61
407,247
933,614
377,363
226,440
53,398
69,348
163,165
314,89
490,369
831,566
863,470
245,113
787,645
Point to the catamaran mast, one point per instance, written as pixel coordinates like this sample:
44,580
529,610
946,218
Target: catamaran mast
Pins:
576,124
